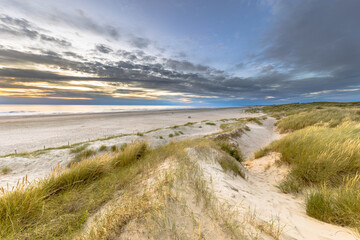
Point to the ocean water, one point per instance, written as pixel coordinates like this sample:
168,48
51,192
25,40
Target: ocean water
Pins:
19,110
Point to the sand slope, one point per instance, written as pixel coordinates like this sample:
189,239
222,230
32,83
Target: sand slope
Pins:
259,199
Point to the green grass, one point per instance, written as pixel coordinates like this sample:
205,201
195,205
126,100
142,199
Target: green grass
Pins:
140,134
171,135
210,123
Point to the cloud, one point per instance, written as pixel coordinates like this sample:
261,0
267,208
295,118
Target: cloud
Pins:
58,41
103,49
318,36
20,27
139,42
312,51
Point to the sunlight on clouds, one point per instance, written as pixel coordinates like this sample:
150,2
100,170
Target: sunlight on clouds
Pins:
34,93
55,86
61,72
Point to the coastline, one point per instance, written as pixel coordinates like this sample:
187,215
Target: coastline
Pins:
32,132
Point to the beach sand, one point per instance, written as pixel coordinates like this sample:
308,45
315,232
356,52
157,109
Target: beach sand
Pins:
29,133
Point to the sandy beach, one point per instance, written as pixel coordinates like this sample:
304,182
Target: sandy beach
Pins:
29,133
26,134
257,192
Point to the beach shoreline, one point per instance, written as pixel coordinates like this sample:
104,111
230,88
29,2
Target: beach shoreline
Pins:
32,132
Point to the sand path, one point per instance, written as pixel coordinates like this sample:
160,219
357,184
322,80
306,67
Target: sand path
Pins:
259,199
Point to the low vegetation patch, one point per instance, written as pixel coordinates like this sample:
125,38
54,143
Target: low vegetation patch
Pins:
5,170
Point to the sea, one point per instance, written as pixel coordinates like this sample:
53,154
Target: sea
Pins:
20,110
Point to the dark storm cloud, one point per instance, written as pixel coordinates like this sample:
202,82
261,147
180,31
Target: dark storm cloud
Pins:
156,76
316,35
103,49
312,50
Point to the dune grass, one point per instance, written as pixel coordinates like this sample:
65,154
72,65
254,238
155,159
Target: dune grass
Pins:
323,150
27,212
321,155
232,150
327,117
339,205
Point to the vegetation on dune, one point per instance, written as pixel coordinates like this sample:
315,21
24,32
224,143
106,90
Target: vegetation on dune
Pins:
231,150
102,148
81,152
74,194
323,150
325,117
27,212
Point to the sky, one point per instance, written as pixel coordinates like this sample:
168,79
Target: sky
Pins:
166,52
